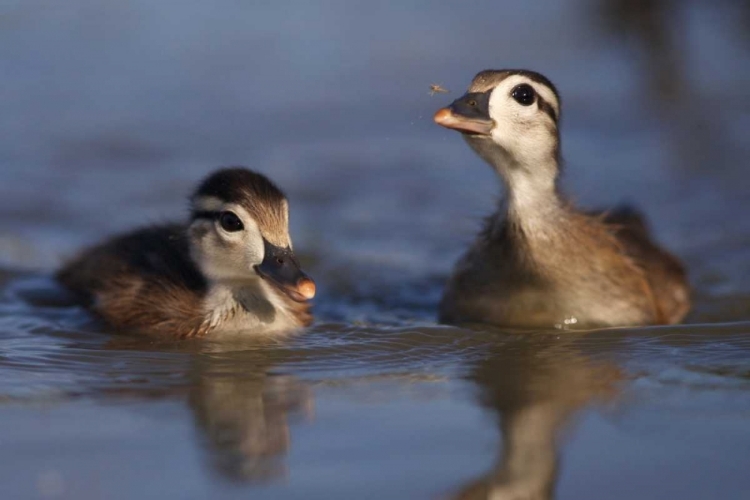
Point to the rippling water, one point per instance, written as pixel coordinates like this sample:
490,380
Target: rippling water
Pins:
111,113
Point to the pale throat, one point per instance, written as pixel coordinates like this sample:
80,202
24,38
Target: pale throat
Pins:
530,193
251,303
530,181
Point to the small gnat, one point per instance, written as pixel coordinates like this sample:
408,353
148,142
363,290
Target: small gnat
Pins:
437,89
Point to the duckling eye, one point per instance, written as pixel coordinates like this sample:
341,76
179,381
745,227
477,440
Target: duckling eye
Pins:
523,94
230,222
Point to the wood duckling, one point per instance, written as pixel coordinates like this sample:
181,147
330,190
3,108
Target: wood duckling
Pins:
230,268
539,262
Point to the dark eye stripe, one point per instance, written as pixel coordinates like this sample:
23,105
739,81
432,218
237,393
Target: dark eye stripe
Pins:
206,214
228,220
547,108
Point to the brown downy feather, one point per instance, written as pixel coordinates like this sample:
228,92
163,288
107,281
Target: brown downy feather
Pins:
666,275
145,281
142,281
515,278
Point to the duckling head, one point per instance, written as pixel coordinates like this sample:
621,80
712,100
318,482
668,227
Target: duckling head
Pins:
510,118
239,232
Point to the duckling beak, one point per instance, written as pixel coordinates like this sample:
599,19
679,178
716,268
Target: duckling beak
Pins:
281,269
449,118
469,114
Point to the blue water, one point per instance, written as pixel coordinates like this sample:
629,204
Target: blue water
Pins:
113,111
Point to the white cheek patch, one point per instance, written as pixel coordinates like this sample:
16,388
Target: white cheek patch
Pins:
225,254
525,135
248,241
213,204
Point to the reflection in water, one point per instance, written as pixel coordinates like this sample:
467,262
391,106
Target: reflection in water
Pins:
245,418
94,88
233,396
535,389
241,411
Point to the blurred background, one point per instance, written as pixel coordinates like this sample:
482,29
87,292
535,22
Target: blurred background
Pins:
113,111
110,114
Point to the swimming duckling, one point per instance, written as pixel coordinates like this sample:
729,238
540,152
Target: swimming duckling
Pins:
539,262
230,268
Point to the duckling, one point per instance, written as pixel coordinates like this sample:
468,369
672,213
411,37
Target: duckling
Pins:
230,268
540,262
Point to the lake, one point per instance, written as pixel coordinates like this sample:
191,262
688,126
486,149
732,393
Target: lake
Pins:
113,111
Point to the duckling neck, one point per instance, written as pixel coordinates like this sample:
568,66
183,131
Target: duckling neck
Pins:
530,198
533,197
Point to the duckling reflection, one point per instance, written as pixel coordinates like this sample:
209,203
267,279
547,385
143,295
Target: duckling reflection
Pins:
241,409
242,412
536,391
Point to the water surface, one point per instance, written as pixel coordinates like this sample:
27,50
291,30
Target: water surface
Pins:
112,112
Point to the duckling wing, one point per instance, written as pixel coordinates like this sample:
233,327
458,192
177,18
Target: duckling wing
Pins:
664,272
143,280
